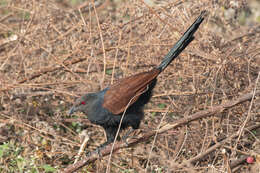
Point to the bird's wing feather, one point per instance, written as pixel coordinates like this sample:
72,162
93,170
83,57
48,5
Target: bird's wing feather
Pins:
118,96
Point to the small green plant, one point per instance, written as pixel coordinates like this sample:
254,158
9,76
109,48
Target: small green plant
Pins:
27,15
153,114
3,148
162,105
76,126
48,168
109,71
258,19
12,160
75,2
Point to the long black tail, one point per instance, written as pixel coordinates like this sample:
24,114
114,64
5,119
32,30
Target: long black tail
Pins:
182,43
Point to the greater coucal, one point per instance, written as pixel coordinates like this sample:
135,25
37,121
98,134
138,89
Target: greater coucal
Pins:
106,107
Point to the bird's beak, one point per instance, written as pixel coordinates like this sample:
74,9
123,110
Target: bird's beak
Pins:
72,110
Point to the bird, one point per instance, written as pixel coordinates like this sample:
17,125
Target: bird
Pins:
126,98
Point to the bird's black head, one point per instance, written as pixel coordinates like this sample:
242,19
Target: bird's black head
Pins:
83,103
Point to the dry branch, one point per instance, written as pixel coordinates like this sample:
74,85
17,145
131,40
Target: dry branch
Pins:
145,137
214,147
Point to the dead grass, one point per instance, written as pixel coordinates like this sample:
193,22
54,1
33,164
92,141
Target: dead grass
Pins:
50,53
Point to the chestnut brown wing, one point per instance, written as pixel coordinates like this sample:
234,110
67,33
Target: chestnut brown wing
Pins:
118,96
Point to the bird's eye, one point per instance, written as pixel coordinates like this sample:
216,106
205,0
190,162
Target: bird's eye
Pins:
83,103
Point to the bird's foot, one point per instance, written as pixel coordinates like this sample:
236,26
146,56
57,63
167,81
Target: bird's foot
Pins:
136,133
127,134
97,150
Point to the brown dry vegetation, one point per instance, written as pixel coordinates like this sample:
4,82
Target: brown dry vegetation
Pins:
51,52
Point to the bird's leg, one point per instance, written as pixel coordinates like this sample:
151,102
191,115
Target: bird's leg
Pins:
134,124
99,148
110,134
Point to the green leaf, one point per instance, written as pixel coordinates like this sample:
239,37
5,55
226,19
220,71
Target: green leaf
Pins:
258,19
27,15
20,161
161,105
74,124
3,148
109,71
153,114
48,168
254,132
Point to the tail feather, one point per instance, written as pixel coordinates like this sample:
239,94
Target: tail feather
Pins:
182,43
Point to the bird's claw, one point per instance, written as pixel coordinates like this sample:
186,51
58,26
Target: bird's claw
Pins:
96,151
124,138
136,133
125,141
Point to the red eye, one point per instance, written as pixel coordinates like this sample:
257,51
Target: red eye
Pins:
83,103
